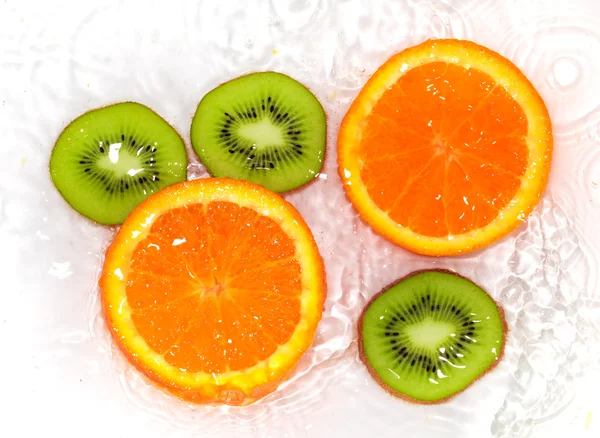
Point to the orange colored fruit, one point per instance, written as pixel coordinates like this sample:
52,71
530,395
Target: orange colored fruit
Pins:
214,288
446,149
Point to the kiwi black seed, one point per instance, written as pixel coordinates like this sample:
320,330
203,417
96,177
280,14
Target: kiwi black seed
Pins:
110,159
430,335
266,128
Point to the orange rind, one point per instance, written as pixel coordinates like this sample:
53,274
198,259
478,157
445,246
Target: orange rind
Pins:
213,288
446,149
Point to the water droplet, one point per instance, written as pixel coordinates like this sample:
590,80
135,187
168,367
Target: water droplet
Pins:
565,72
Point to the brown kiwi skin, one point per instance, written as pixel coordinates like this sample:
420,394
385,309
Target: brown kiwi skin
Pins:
114,227
325,152
363,357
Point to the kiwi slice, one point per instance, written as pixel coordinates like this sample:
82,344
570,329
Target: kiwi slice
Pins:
430,335
266,128
110,159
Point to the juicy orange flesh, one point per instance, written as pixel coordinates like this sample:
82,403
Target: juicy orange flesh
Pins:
444,150
214,287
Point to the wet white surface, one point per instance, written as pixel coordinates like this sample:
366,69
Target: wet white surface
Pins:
61,371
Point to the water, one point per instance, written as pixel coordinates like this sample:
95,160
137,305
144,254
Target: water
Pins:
545,274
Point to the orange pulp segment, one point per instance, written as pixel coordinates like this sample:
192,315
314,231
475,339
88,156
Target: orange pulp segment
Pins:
214,289
446,149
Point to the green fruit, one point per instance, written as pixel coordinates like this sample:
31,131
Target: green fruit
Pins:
110,159
265,128
431,335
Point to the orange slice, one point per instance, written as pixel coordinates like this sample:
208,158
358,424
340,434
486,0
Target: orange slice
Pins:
446,149
214,288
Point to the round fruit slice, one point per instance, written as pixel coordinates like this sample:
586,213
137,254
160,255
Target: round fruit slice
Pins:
431,335
446,149
214,289
265,128
110,159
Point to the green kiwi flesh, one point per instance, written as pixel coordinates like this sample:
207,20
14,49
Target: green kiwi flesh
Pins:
108,160
265,127
430,335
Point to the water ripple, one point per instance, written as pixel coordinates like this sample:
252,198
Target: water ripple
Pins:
168,56
558,53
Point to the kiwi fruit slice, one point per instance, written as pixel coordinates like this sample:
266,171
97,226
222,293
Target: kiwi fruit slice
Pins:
110,159
265,127
430,335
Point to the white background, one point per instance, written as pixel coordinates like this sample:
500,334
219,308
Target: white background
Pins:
61,374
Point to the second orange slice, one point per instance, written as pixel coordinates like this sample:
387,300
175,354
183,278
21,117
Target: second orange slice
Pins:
446,149
214,288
